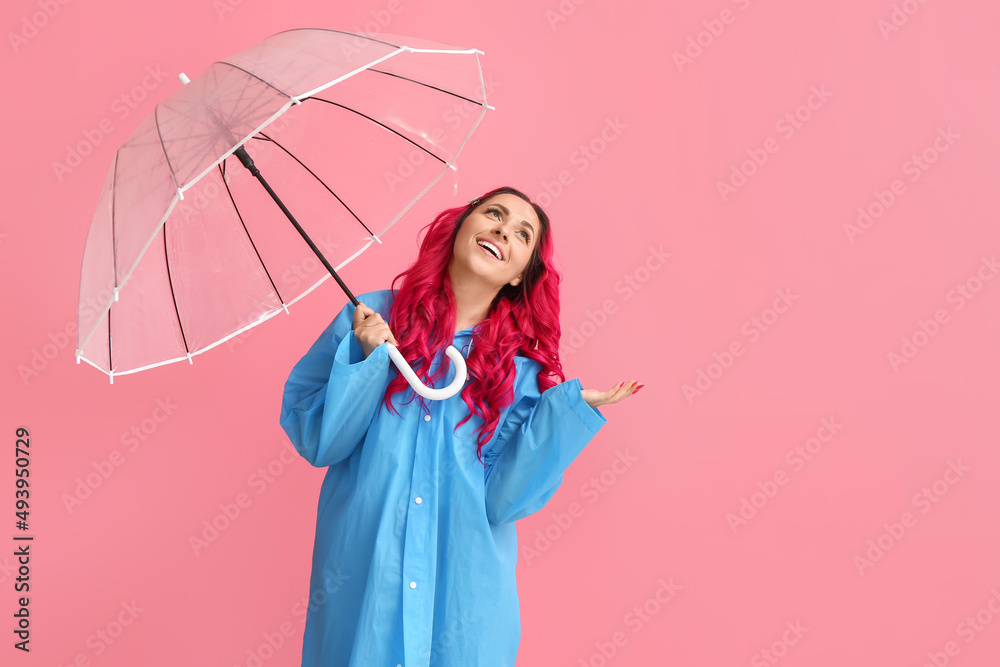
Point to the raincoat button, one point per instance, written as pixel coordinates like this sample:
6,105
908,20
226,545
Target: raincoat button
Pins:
413,584
418,500
427,418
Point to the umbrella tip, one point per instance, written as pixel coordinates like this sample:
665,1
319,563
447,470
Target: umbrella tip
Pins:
184,78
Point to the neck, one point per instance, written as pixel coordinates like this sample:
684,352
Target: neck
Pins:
473,298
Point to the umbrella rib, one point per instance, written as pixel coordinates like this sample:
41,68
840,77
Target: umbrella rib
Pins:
251,74
163,147
114,253
249,238
319,180
173,297
114,246
341,32
433,155
426,85
111,366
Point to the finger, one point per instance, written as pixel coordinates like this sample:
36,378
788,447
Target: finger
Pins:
373,322
382,333
624,389
361,311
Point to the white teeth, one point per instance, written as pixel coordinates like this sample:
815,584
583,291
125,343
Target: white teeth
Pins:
492,248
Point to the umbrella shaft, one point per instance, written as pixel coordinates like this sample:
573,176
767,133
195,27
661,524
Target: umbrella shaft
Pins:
247,162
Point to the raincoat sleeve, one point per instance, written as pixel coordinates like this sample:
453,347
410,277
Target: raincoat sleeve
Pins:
540,436
333,393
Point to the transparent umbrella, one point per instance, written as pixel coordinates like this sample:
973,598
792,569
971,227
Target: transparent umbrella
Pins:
340,135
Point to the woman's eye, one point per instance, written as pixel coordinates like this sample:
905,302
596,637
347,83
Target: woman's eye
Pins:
527,236
493,210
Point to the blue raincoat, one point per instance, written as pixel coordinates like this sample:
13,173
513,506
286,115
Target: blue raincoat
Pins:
416,548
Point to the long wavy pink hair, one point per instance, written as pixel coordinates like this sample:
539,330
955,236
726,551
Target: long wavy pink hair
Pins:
522,320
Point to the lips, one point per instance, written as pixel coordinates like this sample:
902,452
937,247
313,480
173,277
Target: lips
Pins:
479,243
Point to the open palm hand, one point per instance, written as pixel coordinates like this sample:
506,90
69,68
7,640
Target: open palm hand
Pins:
595,398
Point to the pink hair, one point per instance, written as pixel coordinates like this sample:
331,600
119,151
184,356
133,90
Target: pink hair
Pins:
522,319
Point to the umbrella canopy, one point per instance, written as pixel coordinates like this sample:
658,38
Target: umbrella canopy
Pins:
186,251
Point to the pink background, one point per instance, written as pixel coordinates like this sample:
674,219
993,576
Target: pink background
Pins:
872,551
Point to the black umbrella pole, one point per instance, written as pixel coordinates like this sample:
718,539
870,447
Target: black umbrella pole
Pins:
247,161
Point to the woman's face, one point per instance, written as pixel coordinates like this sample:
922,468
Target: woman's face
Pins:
510,225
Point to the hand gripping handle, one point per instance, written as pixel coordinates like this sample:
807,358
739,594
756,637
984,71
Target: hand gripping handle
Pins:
461,373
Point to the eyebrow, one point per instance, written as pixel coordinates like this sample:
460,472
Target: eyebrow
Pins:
506,212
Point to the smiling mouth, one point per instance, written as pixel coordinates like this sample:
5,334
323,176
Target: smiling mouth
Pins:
489,252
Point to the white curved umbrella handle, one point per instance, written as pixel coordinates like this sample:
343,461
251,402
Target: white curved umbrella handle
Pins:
456,357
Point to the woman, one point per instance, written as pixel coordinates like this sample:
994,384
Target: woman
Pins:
416,548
